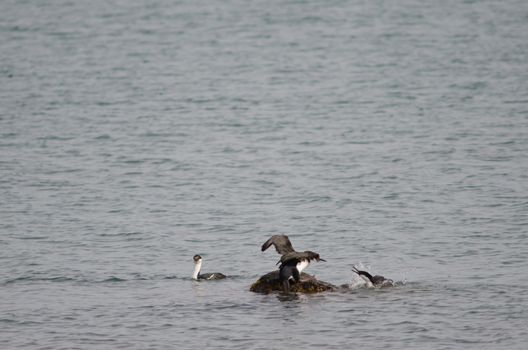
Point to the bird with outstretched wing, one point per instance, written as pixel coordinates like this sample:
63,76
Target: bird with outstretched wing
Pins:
292,262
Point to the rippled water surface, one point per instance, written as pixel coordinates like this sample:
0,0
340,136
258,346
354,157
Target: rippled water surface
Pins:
135,134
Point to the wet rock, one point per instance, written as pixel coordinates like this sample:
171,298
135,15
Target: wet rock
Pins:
307,284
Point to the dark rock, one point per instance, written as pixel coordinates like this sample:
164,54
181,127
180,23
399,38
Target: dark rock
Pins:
307,284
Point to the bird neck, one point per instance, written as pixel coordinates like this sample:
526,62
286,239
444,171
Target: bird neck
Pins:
197,268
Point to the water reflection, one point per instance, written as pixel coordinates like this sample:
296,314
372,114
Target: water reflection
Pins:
288,297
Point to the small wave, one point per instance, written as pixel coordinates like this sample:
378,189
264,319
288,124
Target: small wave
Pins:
56,138
113,279
38,279
109,279
120,234
17,279
156,134
171,277
133,161
60,279
17,322
32,237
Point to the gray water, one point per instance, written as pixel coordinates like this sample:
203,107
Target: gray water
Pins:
135,134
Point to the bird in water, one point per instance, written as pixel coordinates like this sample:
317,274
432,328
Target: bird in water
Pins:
373,281
292,262
206,276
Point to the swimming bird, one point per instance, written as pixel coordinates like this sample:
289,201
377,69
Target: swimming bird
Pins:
373,281
292,262
206,276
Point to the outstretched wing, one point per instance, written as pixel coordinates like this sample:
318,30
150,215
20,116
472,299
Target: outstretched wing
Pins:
281,242
295,257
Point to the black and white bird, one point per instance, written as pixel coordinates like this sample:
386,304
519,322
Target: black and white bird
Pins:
373,281
206,276
292,262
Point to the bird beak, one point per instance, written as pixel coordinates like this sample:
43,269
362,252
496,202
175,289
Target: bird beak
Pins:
320,259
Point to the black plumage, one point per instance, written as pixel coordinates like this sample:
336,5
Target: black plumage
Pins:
376,280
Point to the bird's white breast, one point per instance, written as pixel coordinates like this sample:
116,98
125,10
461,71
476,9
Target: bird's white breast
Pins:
302,265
